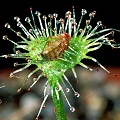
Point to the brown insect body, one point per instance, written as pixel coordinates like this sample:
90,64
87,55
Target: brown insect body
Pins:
55,49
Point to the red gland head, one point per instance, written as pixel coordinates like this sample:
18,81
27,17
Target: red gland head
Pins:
67,36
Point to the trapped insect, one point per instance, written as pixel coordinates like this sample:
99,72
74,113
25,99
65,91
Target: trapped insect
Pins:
55,49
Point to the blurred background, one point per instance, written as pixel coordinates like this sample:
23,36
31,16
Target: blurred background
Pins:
99,91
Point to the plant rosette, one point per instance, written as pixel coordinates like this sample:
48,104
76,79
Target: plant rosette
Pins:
55,46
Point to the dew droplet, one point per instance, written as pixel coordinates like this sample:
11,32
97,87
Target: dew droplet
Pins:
15,64
72,109
19,24
11,75
19,90
34,79
99,23
37,13
28,89
17,18
50,16
7,56
92,14
55,15
44,17
27,19
83,12
89,27
7,25
67,90
36,118
87,21
17,52
30,30
77,94
18,33
44,106
5,37
81,30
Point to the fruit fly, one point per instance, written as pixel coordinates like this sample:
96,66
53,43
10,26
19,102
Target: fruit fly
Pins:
55,49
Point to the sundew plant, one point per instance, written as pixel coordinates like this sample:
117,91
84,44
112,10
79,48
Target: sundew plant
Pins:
56,45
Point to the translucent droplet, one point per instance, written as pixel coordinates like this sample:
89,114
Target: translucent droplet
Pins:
37,13
89,27
87,21
17,52
7,56
30,30
19,24
99,23
15,64
7,25
50,16
44,106
18,33
5,37
34,79
92,14
27,19
19,90
81,30
55,15
44,17
77,94
17,18
49,24
36,118
67,90
72,109
28,89
11,75
83,12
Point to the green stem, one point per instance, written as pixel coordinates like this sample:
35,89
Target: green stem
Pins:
59,105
